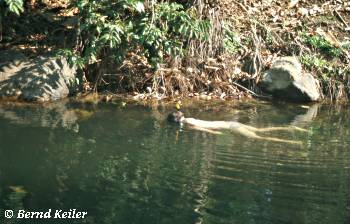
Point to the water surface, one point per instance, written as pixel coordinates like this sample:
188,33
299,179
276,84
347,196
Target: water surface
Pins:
128,165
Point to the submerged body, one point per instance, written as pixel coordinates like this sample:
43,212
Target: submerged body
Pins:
246,130
213,124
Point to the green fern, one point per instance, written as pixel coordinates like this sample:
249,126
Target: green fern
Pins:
15,6
109,30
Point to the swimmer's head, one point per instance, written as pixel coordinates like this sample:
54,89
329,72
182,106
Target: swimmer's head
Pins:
176,117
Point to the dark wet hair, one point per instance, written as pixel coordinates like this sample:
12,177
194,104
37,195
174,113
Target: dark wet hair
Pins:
175,116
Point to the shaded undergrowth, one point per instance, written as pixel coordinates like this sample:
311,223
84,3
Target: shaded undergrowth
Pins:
176,49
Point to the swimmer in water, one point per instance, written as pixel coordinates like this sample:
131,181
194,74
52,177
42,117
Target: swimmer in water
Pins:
246,130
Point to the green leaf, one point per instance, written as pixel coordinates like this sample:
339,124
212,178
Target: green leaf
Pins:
15,6
139,7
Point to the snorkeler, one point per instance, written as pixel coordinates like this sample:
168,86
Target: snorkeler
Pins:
246,130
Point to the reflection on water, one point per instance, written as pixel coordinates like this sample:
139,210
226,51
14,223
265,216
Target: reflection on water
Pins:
127,165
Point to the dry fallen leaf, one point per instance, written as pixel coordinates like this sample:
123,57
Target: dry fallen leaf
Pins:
293,3
303,11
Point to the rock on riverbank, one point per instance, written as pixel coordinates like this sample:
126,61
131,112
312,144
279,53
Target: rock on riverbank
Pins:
41,79
286,80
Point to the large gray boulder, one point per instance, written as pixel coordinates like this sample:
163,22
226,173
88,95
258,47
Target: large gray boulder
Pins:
44,78
286,80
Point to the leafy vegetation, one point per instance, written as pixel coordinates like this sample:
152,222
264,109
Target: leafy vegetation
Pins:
232,41
178,47
314,62
110,30
330,75
320,43
15,6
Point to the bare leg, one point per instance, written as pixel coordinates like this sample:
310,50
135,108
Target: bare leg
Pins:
251,134
280,140
292,128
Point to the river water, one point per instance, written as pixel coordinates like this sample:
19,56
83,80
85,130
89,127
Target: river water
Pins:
126,164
